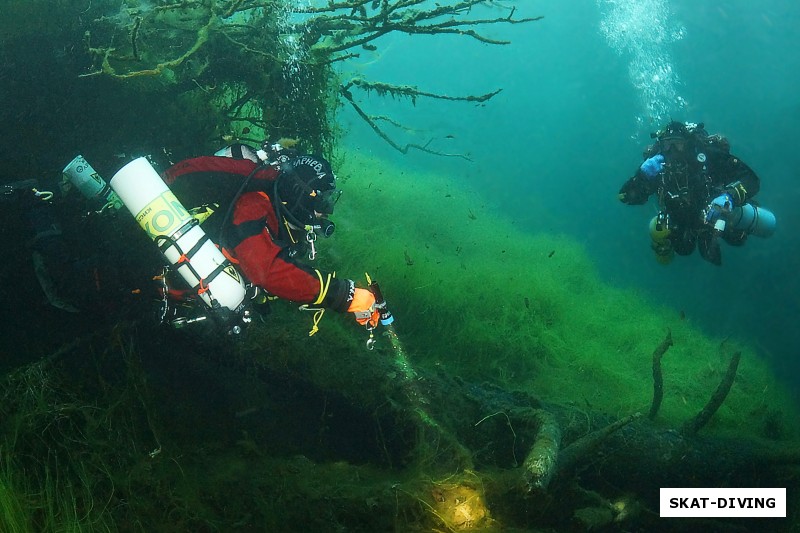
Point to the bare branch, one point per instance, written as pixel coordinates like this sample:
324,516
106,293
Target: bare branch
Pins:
402,149
271,47
358,28
690,427
408,91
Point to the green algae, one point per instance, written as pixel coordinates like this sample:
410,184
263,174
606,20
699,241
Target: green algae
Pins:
528,311
155,431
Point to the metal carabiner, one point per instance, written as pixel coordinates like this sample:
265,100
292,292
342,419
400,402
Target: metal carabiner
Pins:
311,237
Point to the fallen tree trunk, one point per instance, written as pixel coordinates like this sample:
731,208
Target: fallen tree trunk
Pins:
527,454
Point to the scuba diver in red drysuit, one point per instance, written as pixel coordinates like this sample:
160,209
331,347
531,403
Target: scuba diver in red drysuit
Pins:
274,214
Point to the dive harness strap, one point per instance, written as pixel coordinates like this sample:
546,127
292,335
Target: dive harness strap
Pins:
164,243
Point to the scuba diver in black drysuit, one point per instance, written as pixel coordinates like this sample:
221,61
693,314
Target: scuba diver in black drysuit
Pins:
704,194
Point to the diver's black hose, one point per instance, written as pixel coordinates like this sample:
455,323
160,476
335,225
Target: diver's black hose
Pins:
229,212
281,209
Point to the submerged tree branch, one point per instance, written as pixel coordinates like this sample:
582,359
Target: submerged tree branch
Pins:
403,91
701,419
402,149
369,20
281,52
541,462
408,91
108,70
658,378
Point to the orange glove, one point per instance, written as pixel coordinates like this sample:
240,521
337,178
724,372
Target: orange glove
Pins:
363,306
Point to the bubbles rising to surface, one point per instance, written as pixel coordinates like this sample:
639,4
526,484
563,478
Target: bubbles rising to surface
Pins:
292,49
642,31
292,14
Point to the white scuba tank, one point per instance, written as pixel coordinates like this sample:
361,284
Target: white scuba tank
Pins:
179,237
91,185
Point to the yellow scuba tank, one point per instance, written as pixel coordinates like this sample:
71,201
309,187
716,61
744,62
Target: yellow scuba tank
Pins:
659,234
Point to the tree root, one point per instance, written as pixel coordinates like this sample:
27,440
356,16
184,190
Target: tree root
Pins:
418,404
691,427
576,451
658,379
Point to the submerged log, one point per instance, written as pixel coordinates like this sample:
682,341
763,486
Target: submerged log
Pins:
540,464
583,446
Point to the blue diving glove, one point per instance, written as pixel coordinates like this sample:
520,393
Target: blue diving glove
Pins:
652,166
719,207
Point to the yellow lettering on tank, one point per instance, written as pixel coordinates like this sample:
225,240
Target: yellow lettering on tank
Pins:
163,216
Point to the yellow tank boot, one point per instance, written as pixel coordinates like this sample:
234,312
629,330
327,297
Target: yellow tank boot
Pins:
659,234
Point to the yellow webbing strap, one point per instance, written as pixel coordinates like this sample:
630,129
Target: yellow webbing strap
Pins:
740,191
289,230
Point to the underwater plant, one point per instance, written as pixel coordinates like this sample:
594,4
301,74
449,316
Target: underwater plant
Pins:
267,66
